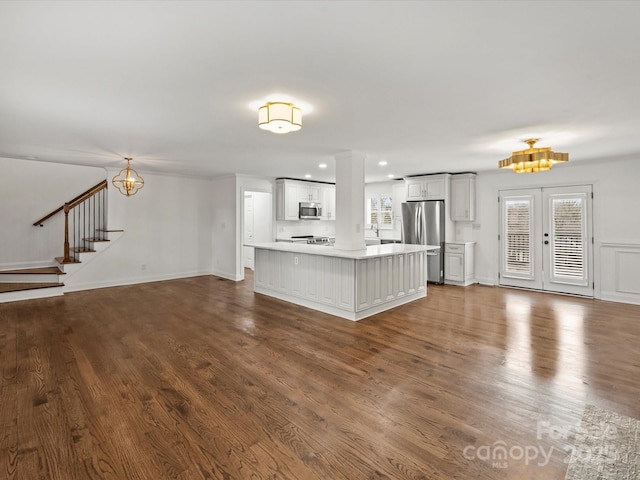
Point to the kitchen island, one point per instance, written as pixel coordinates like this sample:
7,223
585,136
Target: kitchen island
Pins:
351,284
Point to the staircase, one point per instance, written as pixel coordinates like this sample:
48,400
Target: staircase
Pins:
85,226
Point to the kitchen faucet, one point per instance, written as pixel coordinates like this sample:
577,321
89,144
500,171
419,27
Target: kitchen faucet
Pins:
375,229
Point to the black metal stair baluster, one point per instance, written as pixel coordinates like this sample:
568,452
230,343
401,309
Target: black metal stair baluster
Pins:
93,217
102,195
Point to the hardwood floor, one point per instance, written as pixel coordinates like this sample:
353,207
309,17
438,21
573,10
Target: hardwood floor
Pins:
200,378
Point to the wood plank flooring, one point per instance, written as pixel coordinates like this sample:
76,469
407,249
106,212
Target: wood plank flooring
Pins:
200,378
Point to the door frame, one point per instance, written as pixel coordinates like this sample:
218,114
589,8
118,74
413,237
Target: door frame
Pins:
596,215
240,230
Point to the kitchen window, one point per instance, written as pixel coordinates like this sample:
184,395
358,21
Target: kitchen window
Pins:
378,211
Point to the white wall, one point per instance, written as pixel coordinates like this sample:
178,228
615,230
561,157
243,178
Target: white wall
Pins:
167,225
167,233
226,228
616,187
28,191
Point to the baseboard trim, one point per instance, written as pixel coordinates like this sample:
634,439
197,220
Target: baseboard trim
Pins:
227,275
631,298
132,281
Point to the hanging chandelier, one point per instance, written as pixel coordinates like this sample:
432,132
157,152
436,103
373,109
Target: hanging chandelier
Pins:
533,160
127,181
280,117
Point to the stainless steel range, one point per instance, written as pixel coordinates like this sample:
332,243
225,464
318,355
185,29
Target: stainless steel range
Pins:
311,239
318,240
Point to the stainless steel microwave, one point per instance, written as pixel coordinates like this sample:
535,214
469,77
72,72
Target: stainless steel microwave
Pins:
309,211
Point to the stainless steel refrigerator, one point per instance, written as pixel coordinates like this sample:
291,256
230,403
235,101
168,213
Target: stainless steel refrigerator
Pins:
423,224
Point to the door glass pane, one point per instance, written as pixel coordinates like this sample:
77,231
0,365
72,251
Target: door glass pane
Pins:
517,244
567,237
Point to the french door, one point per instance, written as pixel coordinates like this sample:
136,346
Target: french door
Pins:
546,239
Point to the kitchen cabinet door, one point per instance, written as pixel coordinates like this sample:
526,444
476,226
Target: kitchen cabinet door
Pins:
292,193
459,259
314,193
415,190
463,193
454,266
430,187
280,201
328,202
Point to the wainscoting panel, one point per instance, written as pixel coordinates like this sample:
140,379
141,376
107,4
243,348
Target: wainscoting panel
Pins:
620,272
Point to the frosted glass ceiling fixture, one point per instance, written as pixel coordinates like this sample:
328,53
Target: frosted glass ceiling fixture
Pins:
280,117
533,160
127,181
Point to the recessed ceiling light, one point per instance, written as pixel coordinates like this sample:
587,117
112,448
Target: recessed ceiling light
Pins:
382,163
307,176
322,165
391,175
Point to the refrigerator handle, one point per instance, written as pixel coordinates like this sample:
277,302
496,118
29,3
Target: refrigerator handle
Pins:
419,225
416,223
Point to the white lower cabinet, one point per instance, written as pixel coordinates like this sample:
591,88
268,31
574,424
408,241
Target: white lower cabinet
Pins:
459,263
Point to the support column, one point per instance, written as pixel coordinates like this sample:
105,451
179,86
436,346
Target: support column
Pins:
350,201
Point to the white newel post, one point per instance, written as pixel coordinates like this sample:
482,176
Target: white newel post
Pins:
350,201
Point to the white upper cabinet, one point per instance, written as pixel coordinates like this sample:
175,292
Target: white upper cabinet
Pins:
289,194
314,193
427,187
328,202
463,197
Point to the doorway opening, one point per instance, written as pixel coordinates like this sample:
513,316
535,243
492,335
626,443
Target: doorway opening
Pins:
257,224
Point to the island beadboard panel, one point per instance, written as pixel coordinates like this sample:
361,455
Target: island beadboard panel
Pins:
351,288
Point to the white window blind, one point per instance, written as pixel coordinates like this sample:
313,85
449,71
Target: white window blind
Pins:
379,211
518,247
568,235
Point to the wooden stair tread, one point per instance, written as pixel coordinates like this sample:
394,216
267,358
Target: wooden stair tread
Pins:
61,261
103,230
82,250
33,271
94,239
16,287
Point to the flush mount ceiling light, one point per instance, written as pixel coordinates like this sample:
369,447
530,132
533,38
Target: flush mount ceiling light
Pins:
127,181
533,160
280,117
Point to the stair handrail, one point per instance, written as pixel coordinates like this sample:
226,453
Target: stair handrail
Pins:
73,202
67,207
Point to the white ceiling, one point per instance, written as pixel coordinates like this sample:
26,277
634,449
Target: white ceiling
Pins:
427,86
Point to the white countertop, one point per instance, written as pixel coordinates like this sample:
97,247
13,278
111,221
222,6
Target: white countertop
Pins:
330,251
